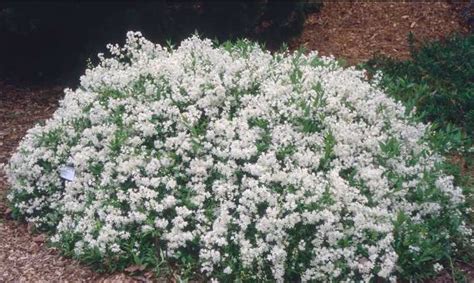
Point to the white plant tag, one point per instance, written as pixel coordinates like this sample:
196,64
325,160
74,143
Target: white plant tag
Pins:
67,173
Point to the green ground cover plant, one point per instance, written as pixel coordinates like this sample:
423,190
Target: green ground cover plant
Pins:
439,82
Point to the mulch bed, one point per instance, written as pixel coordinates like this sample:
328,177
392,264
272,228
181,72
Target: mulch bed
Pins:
351,30
356,31
20,109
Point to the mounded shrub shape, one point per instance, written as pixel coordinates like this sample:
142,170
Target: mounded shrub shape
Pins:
238,164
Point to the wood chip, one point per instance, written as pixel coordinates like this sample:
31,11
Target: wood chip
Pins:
39,239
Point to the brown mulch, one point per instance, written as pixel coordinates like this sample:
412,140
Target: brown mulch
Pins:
351,30
20,109
356,31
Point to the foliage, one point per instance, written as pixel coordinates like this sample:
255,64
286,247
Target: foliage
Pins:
54,40
467,14
240,165
439,82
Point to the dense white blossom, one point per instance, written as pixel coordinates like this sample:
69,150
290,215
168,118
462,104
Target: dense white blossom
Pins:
253,163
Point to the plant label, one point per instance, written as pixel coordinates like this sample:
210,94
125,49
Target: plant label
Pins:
67,173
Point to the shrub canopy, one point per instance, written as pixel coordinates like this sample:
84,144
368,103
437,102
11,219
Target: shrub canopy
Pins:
238,164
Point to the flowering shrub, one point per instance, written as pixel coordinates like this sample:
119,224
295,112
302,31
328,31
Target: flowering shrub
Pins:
237,164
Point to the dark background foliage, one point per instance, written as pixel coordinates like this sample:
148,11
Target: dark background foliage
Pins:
52,41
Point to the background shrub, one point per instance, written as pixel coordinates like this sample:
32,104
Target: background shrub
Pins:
54,40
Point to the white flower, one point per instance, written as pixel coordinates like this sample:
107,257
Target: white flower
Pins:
437,267
228,270
287,160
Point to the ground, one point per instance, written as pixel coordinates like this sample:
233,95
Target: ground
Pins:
356,31
351,30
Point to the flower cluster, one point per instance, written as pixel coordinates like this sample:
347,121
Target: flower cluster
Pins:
233,162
